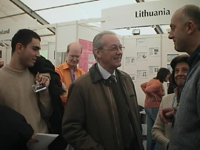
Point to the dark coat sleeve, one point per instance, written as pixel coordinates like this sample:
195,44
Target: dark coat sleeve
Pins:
15,131
74,121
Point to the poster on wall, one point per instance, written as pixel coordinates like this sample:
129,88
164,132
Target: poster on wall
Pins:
154,51
130,61
142,56
153,69
132,77
83,63
142,74
87,58
86,45
170,57
141,42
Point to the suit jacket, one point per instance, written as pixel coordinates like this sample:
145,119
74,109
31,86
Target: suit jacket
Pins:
91,121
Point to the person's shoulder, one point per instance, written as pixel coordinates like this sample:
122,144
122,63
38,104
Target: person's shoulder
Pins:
154,81
167,98
60,66
81,70
122,73
3,70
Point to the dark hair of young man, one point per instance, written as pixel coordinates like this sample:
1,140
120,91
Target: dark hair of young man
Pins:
23,36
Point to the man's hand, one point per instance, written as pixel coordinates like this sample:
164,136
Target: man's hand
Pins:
41,79
166,114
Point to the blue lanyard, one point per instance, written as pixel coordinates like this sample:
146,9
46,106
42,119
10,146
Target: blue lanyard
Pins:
72,74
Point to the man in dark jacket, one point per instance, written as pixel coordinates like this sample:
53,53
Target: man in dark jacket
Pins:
102,111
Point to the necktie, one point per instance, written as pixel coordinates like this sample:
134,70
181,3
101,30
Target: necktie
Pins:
72,76
123,113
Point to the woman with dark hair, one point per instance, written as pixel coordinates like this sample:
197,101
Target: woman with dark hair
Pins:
160,130
154,91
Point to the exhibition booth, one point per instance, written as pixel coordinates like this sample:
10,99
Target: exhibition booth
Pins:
143,54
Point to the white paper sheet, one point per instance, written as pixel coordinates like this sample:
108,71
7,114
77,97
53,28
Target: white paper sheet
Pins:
44,141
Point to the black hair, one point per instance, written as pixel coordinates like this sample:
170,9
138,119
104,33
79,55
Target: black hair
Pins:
23,36
162,74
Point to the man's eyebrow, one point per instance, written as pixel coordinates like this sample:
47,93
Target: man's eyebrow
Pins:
36,47
116,45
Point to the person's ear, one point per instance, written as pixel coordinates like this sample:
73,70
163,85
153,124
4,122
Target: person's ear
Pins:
190,26
97,53
19,48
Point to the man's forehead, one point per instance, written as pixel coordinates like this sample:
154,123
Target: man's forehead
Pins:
110,39
177,14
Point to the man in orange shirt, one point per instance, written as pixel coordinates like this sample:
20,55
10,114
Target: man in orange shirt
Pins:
69,71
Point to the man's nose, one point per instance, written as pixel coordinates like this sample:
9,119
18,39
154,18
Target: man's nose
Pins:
170,35
37,53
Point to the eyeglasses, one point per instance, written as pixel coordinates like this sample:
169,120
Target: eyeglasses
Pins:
114,48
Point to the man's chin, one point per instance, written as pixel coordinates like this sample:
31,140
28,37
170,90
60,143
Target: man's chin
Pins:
119,65
30,65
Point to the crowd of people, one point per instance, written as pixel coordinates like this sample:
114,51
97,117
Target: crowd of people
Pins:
98,109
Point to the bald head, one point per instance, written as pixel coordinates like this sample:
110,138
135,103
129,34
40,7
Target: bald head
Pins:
185,28
73,45
189,12
73,54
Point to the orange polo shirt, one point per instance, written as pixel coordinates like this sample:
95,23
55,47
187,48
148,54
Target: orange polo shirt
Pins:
65,76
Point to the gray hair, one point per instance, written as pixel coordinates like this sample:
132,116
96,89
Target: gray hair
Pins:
191,12
98,43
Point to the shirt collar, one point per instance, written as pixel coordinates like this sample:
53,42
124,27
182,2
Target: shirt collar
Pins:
66,66
193,56
105,74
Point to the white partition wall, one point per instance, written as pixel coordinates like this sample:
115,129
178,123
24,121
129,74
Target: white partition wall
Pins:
65,34
168,50
44,51
141,60
144,55
51,54
87,33
8,54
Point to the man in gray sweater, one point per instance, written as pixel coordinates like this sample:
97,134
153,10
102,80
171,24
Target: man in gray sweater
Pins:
185,33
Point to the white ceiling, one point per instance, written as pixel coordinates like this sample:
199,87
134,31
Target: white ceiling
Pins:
56,11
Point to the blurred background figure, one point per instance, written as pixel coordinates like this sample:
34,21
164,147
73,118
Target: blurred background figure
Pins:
154,91
69,71
1,64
